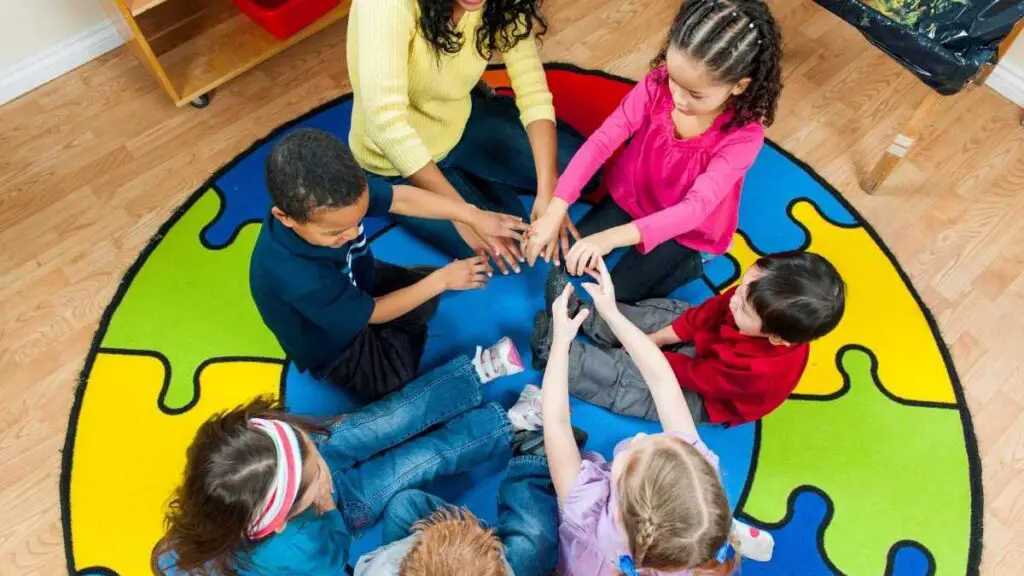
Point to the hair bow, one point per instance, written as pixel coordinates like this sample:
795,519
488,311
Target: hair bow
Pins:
627,566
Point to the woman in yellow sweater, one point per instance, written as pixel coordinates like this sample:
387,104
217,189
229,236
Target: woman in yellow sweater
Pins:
417,118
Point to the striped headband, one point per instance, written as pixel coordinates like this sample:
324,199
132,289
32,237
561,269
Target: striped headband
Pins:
283,492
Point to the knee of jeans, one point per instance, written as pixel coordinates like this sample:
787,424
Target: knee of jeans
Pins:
357,515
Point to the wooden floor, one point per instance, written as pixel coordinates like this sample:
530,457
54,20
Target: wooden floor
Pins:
93,163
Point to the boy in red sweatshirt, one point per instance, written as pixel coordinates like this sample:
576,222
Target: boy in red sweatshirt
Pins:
737,356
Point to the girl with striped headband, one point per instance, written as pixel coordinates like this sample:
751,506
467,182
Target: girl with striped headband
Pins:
266,492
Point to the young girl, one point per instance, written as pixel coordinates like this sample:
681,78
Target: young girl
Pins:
268,493
694,124
659,507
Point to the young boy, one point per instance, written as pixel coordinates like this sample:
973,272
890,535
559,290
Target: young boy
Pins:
349,319
426,536
736,356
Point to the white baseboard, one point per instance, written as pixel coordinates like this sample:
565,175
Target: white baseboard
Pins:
57,60
1008,80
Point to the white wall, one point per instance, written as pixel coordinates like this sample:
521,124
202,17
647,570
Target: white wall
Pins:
28,27
43,39
1008,77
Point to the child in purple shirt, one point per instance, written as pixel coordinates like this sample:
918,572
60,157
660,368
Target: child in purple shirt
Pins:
688,132
659,506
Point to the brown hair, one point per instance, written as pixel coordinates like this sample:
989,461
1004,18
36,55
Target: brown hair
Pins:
229,468
673,508
452,541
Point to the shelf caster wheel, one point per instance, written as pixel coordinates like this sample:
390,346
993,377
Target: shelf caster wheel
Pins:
201,101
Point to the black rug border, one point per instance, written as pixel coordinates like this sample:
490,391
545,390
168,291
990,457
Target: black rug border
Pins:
67,457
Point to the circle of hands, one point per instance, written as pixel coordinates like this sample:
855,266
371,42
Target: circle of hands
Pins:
507,243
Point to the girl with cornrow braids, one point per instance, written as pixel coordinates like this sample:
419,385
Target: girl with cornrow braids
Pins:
691,128
659,507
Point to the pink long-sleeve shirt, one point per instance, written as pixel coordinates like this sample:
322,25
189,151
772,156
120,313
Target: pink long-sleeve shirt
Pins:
674,188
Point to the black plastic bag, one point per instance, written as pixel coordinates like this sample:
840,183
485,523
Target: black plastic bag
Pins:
944,42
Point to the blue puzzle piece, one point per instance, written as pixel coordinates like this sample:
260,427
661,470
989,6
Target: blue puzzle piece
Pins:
772,184
797,551
910,559
244,188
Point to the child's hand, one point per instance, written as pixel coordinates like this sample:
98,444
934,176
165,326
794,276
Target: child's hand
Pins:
603,293
549,235
487,223
323,501
564,329
465,274
584,256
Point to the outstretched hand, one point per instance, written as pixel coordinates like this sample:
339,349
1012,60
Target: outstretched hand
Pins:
603,292
564,328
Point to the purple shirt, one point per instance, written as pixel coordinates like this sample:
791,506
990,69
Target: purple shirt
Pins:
674,188
590,542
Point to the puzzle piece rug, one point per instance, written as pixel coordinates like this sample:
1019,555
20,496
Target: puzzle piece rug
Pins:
870,468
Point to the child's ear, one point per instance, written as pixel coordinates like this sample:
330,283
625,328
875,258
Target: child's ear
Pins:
282,217
741,86
775,340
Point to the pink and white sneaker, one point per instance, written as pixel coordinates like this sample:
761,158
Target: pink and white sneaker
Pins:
499,360
757,545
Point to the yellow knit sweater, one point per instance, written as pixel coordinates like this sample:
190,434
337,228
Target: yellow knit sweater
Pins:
411,108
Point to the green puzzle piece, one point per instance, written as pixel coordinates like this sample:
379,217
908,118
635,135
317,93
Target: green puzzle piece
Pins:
893,472
192,303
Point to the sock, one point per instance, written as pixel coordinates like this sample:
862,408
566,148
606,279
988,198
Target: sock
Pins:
525,414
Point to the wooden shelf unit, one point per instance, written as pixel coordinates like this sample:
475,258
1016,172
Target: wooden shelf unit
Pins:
194,46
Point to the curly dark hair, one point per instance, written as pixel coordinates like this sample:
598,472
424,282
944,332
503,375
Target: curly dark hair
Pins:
310,169
734,39
505,24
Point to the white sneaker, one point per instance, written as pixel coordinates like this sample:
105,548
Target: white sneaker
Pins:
525,414
499,360
757,545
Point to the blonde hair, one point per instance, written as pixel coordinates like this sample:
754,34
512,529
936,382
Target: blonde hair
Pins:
673,508
452,541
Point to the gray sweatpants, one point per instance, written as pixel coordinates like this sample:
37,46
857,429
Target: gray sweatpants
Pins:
606,375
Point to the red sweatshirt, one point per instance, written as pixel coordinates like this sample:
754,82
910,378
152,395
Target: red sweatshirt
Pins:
741,378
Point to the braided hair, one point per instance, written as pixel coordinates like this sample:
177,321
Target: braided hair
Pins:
733,39
673,508
505,24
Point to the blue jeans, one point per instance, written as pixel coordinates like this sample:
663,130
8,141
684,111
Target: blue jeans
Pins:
527,516
490,166
379,451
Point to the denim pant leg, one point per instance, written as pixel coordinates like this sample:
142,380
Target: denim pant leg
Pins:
495,148
461,444
435,397
528,517
405,509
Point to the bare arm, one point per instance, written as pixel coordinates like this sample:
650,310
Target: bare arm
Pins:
404,300
544,144
564,458
673,412
665,337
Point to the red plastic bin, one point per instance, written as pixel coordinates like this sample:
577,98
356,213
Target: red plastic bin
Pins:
283,18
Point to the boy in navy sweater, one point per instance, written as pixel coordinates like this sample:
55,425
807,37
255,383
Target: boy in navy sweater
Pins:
337,312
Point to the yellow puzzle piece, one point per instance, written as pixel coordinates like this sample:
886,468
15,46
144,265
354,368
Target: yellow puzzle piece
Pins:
129,455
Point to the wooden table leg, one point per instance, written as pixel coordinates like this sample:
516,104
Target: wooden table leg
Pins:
903,142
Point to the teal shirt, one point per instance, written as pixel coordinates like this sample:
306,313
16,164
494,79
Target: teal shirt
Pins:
310,545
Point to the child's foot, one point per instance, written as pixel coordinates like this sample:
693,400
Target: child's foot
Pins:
556,282
525,414
531,443
499,360
540,340
757,545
